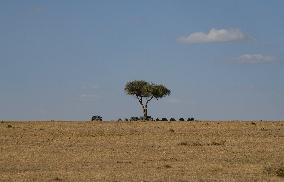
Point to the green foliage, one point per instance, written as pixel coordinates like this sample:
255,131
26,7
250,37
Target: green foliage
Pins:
138,88
141,88
159,91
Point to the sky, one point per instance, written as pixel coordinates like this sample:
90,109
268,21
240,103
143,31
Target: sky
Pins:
69,60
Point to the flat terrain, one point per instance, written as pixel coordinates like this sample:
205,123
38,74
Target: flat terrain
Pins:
142,151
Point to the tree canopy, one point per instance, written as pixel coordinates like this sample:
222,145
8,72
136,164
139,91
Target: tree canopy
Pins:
147,91
141,88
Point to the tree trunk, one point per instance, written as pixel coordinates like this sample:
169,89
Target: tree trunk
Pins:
144,106
145,111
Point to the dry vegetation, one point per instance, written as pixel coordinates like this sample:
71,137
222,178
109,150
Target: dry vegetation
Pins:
142,151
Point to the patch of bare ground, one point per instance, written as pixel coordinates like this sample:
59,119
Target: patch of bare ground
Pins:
142,151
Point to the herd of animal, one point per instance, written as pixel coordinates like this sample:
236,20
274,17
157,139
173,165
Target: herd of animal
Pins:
148,118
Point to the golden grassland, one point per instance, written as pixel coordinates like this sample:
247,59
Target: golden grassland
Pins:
142,151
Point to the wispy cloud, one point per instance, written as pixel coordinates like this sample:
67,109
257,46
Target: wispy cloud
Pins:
214,35
254,59
89,92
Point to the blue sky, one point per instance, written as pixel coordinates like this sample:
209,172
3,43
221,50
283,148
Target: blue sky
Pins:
69,60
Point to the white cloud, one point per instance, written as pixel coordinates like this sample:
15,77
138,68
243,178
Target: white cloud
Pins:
254,59
214,35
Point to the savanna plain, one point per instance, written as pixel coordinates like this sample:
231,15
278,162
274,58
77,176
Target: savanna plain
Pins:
142,151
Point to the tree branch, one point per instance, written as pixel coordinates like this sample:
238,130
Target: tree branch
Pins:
140,100
149,100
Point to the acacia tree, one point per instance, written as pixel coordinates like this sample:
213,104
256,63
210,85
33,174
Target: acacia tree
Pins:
145,92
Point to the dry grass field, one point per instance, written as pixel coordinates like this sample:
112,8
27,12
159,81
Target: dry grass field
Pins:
142,151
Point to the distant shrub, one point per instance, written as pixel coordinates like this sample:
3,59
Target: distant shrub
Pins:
148,118
164,119
141,118
134,118
125,119
181,119
172,119
157,119
9,126
190,119
119,119
96,118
